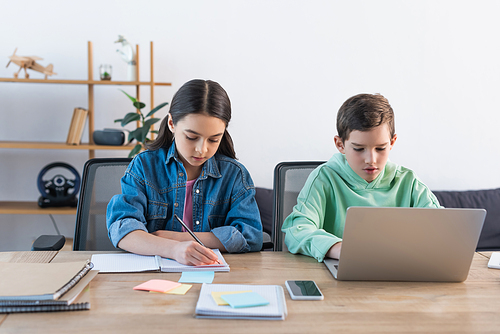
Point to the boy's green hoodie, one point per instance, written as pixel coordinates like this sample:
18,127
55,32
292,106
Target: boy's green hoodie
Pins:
317,221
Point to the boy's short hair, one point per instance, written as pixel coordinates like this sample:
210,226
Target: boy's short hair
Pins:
363,112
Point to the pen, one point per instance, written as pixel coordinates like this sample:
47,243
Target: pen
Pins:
191,232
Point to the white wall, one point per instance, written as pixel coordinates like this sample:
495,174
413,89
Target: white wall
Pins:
287,67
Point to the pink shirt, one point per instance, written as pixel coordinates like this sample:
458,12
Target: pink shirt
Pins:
188,205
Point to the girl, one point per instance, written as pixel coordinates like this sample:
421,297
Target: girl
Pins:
189,170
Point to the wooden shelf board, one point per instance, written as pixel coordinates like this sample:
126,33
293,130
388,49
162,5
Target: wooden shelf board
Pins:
60,146
87,82
32,208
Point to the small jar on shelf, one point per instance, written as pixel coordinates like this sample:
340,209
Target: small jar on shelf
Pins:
105,71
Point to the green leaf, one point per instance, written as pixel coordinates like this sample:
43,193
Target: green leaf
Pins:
151,121
133,99
118,120
155,109
130,117
144,134
155,131
131,136
137,148
139,105
140,134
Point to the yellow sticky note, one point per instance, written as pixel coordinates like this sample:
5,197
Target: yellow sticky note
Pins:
221,302
181,290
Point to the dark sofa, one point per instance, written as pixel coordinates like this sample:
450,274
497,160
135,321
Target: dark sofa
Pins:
489,200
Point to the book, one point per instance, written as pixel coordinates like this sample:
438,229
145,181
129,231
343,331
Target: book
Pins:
35,282
128,263
76,126
208,307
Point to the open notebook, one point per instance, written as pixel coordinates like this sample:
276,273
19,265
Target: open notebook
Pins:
206,307
129,263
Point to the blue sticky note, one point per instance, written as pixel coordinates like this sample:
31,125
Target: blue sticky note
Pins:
197,277
246,299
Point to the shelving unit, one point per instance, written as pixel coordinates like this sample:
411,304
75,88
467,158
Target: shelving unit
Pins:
25,207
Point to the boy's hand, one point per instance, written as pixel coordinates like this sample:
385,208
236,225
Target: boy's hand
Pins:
334,251
193,254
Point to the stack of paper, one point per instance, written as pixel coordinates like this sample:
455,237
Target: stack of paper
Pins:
127,262
258,302
37,287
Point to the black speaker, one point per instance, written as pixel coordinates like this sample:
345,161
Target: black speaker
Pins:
112,137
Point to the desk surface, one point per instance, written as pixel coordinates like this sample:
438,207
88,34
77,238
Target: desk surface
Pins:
348,307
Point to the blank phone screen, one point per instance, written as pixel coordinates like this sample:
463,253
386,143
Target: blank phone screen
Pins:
304,288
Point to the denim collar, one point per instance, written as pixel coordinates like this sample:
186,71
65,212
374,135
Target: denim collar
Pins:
210,167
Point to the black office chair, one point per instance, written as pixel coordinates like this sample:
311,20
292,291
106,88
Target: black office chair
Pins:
289,178
100,182
264,199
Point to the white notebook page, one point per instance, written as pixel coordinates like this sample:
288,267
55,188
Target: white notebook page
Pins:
124,263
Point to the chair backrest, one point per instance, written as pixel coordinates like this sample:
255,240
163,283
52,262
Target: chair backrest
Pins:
100,181
289,178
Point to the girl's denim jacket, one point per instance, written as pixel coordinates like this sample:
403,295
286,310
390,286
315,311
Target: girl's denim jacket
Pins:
154,189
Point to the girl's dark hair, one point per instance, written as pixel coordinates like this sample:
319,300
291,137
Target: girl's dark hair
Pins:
197,97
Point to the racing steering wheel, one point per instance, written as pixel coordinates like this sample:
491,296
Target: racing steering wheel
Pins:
58,191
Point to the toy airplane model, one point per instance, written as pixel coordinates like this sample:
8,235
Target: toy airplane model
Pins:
29,62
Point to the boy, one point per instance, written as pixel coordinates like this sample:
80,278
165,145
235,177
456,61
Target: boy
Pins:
360,175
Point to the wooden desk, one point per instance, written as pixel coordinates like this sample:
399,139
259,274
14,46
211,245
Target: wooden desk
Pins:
348,307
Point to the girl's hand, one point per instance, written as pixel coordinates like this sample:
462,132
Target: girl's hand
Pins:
193,254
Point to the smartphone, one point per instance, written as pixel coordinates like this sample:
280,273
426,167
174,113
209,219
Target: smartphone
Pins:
303,290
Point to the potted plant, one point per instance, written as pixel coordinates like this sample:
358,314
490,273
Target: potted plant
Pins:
141,133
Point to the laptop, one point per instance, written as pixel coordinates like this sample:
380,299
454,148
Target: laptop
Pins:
407,244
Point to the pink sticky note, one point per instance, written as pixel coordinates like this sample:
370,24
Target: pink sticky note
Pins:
158,285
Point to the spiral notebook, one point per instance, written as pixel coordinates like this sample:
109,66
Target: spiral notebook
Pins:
129,263
28,295
207,307
53,280
77,303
